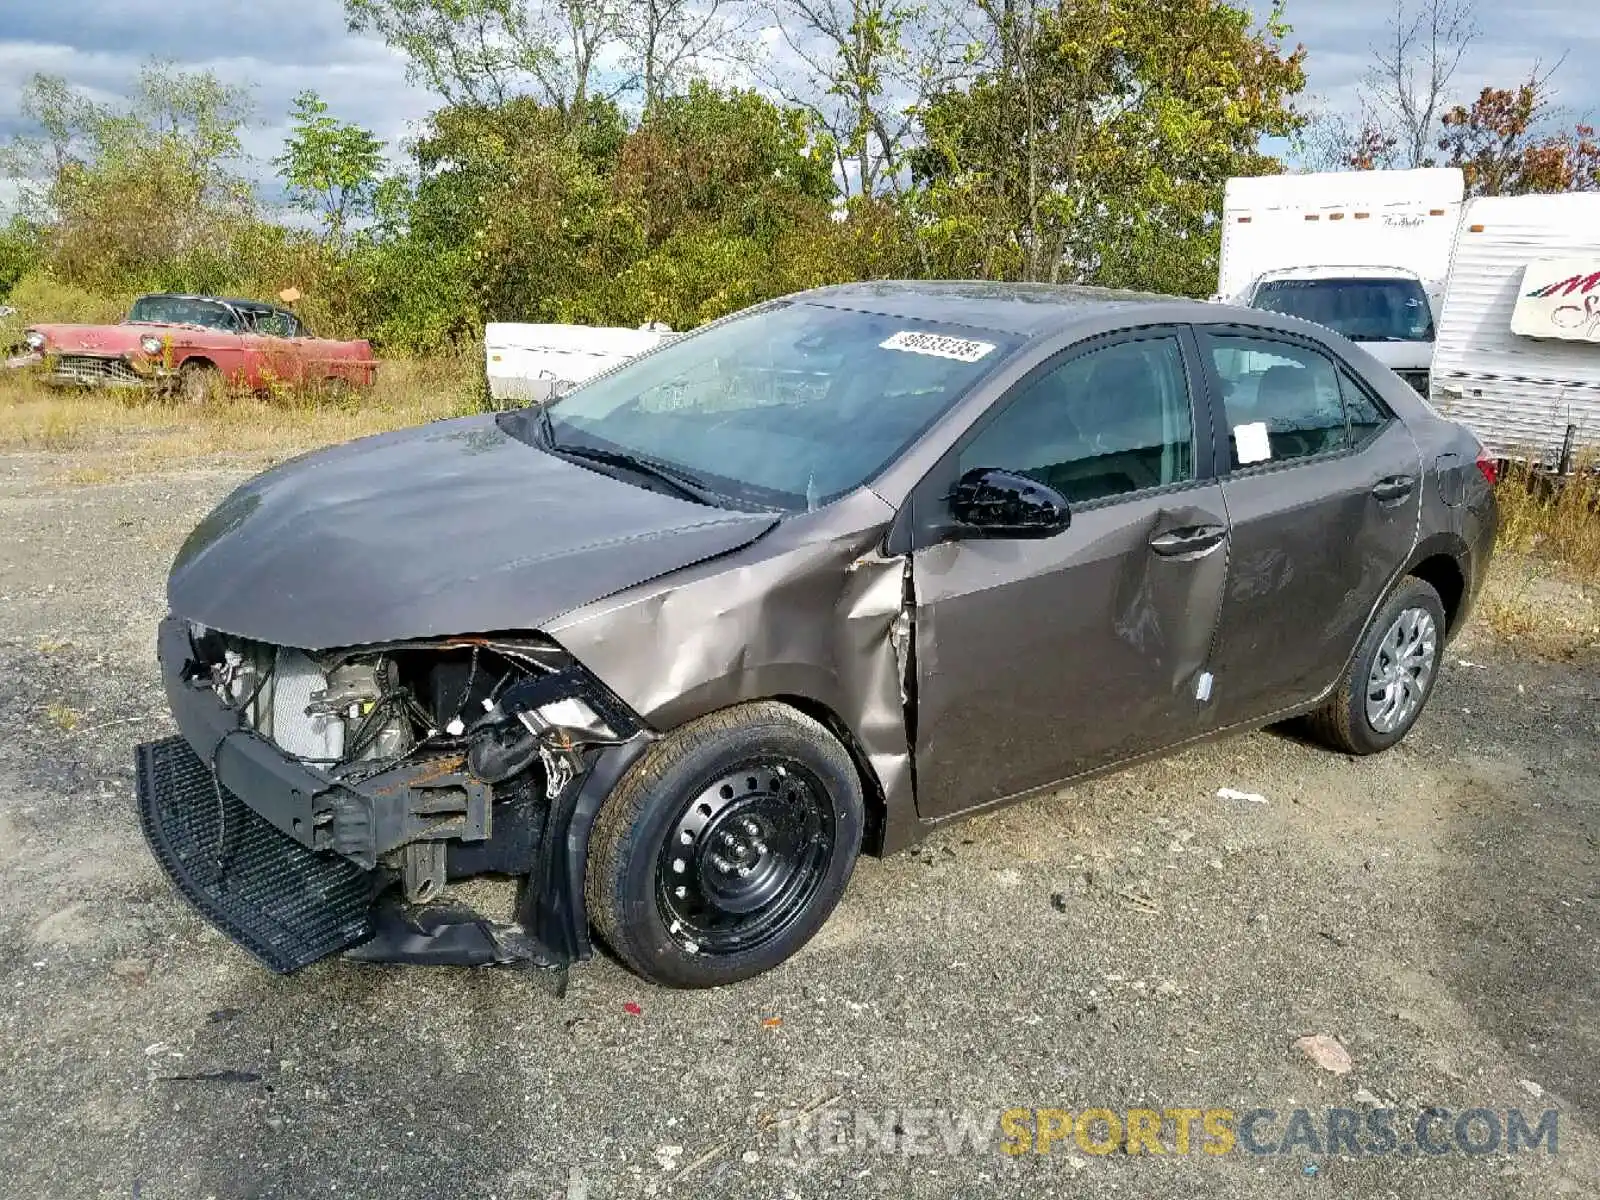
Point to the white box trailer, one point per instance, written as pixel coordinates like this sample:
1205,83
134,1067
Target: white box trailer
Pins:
530,363
1363,252
1518,353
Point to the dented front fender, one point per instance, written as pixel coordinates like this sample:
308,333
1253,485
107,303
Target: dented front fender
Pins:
808,613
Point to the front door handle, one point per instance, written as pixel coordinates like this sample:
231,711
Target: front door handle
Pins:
1190,540
1393,489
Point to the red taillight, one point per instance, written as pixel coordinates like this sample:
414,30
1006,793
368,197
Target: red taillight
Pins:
1488,469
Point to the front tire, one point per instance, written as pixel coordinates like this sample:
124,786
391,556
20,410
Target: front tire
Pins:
199,384
1391,676
726,846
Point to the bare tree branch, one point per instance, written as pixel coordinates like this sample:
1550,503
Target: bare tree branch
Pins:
1407,87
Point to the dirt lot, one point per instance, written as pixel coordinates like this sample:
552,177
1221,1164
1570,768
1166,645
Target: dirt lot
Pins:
1136,942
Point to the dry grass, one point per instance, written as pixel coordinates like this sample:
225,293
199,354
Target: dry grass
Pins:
106,437
1539,610
1543,594
1557,523
63,716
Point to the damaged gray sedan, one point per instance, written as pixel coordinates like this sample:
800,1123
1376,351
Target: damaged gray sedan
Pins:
673,649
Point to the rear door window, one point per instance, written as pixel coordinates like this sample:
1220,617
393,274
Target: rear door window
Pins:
1283,401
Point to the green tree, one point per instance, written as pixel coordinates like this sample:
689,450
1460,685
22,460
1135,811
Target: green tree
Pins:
483,53
146,191
715,183
331,168
1094,144
20,251
512,211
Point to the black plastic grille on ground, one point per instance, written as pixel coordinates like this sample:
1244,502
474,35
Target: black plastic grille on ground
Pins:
287,905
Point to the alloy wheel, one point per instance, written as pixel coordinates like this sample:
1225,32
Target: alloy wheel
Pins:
1401,670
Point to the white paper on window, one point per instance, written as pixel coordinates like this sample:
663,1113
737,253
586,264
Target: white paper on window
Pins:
1250,442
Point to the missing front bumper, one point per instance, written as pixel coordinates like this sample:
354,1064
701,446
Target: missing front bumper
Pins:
219,776
287,905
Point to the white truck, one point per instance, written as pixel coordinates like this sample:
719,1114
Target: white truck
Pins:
1518,353
1365,253
530,363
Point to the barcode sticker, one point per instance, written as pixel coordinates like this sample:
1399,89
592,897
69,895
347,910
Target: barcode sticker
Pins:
937,344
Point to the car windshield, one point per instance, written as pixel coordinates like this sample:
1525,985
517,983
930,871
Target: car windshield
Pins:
1363,310
181,310
788,406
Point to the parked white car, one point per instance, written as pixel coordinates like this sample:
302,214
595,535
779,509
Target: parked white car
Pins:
1518,353
1364,253
530,363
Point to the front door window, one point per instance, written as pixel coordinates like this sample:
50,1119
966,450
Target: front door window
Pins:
1112,421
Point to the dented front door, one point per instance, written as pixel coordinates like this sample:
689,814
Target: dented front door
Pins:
1038,660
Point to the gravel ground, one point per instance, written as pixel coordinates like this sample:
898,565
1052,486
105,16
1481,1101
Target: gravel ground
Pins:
1135,942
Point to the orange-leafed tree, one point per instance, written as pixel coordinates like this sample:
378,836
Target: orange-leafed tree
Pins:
1498,144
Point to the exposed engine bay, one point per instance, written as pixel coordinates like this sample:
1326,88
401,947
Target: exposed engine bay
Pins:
444,754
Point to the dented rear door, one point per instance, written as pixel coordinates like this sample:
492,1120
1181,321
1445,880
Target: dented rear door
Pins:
1321,523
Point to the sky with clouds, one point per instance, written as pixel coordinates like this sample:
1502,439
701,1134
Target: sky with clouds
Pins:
281,49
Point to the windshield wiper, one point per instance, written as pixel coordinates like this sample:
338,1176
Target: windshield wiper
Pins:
682,482
547,427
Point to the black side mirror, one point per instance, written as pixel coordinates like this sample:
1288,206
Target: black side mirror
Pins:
987,502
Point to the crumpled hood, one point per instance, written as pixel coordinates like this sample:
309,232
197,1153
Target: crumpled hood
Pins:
448,528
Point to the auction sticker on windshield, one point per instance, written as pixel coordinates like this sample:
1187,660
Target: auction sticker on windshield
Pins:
937,344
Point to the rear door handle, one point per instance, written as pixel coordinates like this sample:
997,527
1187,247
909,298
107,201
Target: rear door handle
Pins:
1190,540
1394,488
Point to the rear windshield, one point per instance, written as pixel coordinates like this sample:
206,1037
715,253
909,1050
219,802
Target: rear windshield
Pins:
181,310
1363,310
787,406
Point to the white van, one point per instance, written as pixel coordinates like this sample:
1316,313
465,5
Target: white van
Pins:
1518,353
1362,252
530,363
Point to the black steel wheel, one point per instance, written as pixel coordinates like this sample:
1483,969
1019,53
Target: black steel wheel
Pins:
745,857
726,847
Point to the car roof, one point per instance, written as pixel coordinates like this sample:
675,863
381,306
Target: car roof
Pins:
232,302
1027,309
1037,310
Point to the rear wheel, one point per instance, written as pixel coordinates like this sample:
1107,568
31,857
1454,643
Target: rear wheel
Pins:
199,383
726,847
1391,677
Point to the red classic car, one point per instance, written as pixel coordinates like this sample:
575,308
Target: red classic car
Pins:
195,346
